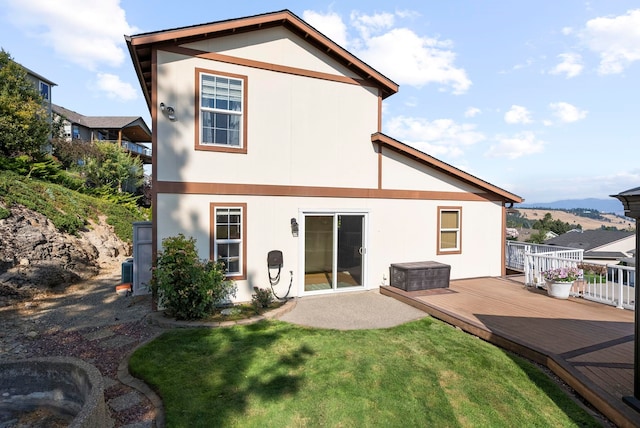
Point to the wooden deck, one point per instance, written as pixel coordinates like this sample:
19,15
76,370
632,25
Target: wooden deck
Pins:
588,345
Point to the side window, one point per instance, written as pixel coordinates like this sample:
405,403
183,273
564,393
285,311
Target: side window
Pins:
221,115
449,230
44,90
228,240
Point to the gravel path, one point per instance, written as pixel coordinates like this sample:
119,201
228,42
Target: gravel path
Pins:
91,322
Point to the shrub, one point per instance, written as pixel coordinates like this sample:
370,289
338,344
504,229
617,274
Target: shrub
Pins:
262,298
4,213
189,288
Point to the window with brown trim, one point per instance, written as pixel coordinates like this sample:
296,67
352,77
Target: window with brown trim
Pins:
449,230
221,106
228,237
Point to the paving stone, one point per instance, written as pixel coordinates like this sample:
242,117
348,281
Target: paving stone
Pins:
143,424
116,342
98,334
109,382
125,401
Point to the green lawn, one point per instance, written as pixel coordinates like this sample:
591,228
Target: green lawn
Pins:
424,373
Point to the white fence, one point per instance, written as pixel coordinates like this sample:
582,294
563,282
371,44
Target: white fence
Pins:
615,288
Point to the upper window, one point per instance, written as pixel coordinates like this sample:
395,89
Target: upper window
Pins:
228,243
222,112
44,90
449,230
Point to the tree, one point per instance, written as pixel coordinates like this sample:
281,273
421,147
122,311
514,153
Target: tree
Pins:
24,122
114,168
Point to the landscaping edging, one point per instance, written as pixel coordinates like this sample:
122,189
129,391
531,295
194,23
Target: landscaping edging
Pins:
158,319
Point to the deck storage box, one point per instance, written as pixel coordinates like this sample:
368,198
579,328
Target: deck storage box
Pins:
419,275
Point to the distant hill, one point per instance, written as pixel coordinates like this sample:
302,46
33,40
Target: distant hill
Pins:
610,205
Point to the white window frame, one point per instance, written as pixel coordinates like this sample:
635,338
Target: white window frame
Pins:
457,230
215,207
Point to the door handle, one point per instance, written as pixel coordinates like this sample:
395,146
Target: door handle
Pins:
361,251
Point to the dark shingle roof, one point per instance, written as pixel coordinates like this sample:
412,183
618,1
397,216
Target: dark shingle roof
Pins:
613,255
94,122
588,239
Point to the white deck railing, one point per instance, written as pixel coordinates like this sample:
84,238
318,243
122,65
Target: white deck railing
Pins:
616,288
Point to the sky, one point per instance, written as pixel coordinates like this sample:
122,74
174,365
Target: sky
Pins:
540,98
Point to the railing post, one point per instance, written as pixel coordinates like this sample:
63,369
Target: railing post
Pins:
620,288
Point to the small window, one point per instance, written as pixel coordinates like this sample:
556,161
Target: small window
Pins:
222,112
449,230
228,240
44,90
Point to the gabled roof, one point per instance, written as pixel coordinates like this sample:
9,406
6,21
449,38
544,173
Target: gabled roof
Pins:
589,239
410,152
140,46
134,127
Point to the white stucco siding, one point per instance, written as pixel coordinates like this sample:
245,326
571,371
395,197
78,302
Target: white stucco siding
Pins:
274,46
300,131
401,172
398,231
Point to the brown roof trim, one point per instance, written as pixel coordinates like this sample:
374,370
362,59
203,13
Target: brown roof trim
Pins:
386,141
140,45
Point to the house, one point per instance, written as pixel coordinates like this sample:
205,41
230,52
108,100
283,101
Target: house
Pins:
600,246
129,132
267,141
43,85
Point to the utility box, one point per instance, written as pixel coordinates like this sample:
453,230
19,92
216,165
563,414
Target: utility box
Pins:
127,272
142,257
419,275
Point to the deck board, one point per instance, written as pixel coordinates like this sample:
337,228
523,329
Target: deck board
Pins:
587,344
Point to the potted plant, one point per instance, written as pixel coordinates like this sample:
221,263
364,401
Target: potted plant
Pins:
560,280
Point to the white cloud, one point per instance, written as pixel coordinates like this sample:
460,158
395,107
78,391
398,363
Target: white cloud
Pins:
86,32
397,52
616,39
329,24
517,114
571,65
522,144
567,31
368,24
472,112
566,112
114,88
437,138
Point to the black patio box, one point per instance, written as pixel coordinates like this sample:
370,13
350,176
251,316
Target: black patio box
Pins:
419,275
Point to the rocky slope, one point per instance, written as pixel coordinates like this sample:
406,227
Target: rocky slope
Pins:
34,255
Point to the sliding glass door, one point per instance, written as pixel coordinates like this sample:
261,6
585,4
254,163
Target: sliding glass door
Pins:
334,251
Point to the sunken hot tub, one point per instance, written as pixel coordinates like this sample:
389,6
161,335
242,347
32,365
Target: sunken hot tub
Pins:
52,392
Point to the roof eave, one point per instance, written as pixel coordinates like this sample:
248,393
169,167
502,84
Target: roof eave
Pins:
444,167
283,18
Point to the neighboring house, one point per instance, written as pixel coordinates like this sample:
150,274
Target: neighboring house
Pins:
130,132
600,246
43,85
267,136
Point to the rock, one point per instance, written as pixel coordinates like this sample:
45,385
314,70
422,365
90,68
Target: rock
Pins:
33,253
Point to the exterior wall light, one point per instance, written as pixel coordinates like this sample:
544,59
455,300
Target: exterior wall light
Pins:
294,228
169,111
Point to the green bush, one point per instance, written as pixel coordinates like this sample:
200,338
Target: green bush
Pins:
4,213
189,288
262,298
